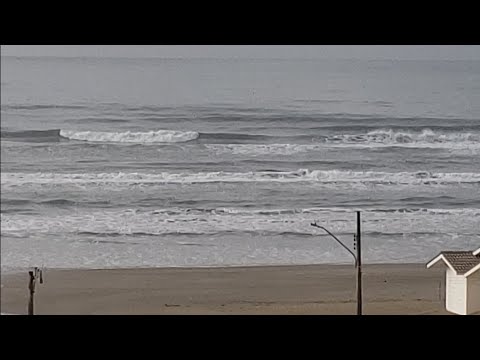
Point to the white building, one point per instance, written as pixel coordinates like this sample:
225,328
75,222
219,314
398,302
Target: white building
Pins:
462,283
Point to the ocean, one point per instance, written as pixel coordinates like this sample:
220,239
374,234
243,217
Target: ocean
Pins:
123,162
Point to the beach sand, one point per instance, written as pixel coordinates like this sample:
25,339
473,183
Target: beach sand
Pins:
297,290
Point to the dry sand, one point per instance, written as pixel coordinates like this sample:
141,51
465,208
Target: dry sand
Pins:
314,289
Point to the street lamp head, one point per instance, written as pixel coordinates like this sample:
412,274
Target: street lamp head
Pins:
318,226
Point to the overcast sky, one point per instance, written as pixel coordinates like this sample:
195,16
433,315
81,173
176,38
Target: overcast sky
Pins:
413,52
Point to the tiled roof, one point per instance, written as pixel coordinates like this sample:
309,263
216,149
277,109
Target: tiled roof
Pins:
461,261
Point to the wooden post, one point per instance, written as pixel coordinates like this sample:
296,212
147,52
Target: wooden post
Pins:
359,266
34,275
31,287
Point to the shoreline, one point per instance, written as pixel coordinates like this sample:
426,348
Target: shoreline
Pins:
278,289
18,270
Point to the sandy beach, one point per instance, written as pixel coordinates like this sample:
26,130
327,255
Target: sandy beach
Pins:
407,289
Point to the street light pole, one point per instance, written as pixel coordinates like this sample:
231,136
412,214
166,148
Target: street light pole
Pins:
358,246
357,257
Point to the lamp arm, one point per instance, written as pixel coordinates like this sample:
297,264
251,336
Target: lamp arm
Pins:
329,233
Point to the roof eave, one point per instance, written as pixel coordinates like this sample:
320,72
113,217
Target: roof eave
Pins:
472,270
437,259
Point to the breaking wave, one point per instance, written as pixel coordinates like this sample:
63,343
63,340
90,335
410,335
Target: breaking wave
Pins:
159,136
301,175
391,137
214,221
243,143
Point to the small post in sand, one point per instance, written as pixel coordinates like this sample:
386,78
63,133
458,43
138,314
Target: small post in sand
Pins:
34,275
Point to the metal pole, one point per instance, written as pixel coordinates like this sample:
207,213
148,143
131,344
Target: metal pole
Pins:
359,267
358,259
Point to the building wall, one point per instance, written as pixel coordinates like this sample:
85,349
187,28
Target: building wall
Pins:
456,293
473,293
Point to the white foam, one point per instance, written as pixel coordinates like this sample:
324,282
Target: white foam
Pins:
424,139
301,175
159,136
177,220
116,238
467,142
263,149
316,211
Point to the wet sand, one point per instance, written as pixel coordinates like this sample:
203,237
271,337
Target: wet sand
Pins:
396,289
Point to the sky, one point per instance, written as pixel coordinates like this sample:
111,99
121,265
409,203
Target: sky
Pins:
388,52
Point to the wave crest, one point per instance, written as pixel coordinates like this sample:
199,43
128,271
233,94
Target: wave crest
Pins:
159,136
398,137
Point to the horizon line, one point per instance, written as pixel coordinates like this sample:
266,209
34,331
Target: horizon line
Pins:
225,58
